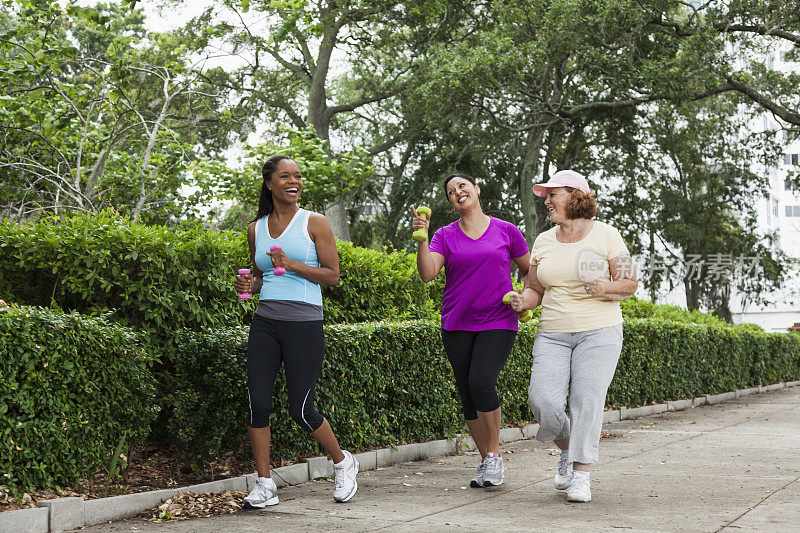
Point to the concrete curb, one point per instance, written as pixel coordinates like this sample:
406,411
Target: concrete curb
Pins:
28,520
62,514
65,513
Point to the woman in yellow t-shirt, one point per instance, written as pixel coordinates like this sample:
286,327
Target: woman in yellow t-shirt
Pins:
580,271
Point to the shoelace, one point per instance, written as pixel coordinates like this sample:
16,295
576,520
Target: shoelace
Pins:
493,464
563,465
263,489
482,467
338,476
579,482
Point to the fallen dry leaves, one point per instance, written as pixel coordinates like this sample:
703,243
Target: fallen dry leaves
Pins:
187,505
11,500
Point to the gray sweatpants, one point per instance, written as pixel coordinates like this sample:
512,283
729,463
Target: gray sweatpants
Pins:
579,364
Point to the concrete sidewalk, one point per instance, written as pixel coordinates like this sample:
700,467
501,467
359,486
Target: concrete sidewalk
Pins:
725,467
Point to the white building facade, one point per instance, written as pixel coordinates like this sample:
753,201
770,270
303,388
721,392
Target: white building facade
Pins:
779,213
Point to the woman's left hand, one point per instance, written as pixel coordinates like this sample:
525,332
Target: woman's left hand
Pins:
280,259
595,288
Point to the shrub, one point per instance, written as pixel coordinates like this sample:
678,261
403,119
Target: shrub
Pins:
153,278
636,308
70,388
380,285
663,360
380,383
385,383
158,279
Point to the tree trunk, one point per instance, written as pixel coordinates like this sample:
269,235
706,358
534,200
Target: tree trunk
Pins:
724,310
724,303
137,210
336,214
153,135
530,168
653,285
692,295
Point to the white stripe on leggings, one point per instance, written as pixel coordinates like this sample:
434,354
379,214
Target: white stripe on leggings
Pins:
250,404
303,411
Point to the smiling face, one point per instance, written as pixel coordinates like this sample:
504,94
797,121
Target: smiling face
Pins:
462,193
286,182
556,201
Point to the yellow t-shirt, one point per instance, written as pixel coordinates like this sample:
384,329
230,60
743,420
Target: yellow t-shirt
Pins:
562,269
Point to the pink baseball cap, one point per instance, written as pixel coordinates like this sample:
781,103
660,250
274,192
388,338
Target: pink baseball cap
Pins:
562,178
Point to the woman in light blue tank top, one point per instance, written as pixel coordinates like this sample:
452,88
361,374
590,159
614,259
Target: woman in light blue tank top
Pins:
287,326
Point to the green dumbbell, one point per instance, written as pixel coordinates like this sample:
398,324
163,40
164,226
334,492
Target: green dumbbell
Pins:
524,317
421,235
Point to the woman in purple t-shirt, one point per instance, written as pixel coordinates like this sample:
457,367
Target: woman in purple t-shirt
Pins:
478,330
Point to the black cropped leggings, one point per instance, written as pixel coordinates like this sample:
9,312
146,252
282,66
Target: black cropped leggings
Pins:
300,346
477,357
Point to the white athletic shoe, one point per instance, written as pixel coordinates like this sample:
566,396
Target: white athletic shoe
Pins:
579,490
344,474
264,493
495,471
477,481
564,475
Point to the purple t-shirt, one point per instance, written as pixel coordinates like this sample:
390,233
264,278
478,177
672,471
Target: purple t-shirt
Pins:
478,275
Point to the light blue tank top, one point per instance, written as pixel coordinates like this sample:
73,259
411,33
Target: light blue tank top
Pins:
297,244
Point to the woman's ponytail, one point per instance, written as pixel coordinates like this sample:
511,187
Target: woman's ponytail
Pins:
265,202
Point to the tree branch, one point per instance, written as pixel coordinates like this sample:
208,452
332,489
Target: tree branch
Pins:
288,65
760,29
386,145
332,110
780,111
591,107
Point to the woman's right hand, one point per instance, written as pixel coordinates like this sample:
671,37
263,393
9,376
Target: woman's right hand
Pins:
420,221
243,283
524,300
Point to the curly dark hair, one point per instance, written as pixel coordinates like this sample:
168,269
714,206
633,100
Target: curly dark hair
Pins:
581,204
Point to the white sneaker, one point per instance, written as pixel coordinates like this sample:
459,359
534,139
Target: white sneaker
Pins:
264,493
564,475
477,481
344,474
579,490
495,471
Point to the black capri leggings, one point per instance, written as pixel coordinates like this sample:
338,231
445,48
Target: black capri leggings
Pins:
301,348
477,357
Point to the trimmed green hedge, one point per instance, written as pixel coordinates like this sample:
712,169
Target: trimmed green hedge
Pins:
664,360
384,382
159,279
153,278
388,383
70,387
636,308
633,307
380,285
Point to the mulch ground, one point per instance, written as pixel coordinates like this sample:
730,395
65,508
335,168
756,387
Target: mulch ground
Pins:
149,468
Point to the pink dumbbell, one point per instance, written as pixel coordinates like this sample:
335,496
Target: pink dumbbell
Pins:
278,271
244,295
